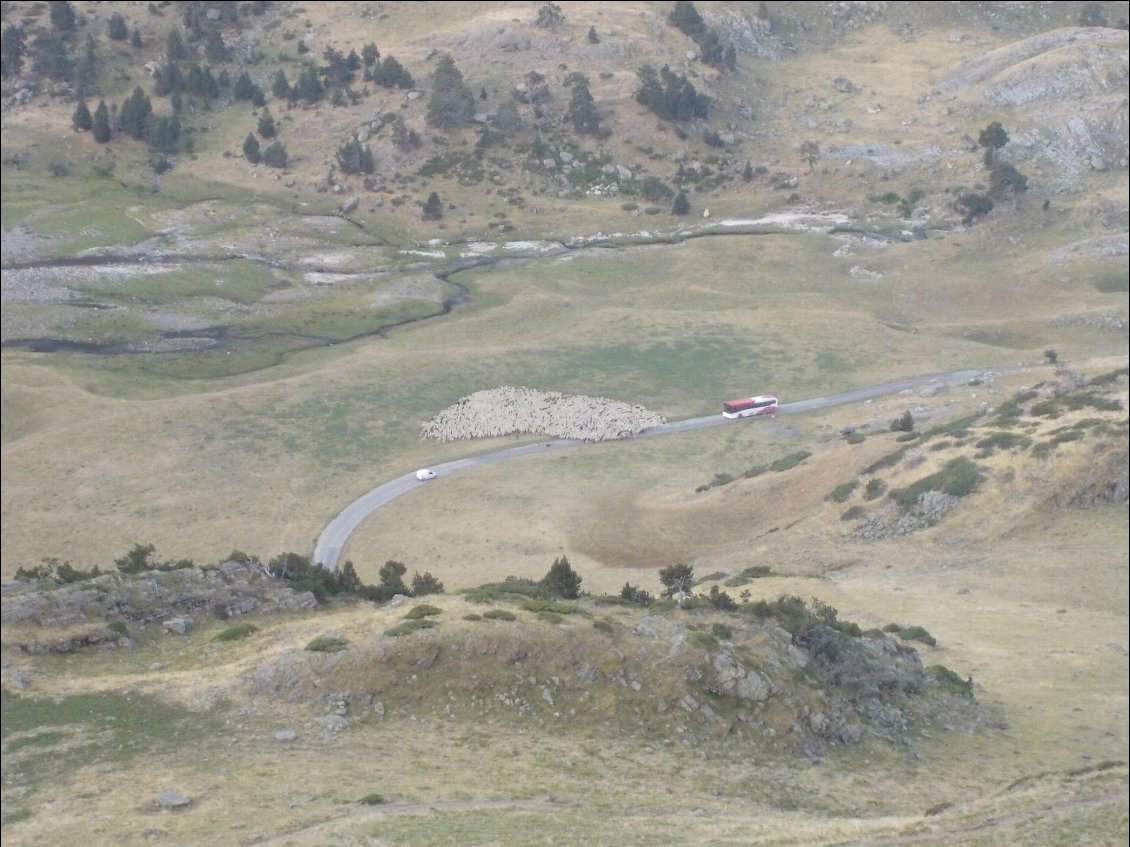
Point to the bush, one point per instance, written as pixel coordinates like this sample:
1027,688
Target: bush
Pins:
499,615
720,600
409,626
237,632
874,488
950,681
853,514
958,478
423,610
842,492
275,156
917,633
326,644
603,625
720,630
903,423
635,595
855,438
373,799
119,627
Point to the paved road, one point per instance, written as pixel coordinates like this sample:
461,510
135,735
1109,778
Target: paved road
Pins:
334,537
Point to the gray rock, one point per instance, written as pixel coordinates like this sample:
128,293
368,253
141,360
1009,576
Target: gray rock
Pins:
169,799
285,735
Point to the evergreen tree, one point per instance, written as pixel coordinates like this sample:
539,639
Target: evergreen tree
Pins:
86,71
433,208
12,49
549,16
452,102
214,47
747,171
562,580
133,118
164,134
251,149
425,583
677,578
347,579
100,128
582,108
308,87
175,48
275,156
593,37
280,87
392,579
355,158
49,56
82,120
992,138
686,19
62,16
266,127
391,74
682,205
370,54
135,39
116,28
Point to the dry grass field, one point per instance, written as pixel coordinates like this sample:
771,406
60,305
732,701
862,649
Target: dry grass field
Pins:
308,400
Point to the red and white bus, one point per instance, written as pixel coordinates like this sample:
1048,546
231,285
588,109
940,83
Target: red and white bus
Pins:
763,404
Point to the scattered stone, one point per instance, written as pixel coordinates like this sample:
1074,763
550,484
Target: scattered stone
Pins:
285,735
169,799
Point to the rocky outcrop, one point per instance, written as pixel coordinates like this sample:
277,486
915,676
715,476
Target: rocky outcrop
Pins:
233,588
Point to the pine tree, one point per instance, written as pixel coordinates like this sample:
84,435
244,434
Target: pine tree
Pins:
133,118
280,87
251,149
266,127
175,48
116,28
82,120
214,47
62,16
135,39
12,49
582,108
452,102
433,208
100,128
275,156
682,205
562,580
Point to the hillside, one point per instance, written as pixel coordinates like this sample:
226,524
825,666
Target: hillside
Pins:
315,247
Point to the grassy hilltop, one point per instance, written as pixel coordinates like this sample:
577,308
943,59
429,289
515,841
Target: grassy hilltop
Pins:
314,226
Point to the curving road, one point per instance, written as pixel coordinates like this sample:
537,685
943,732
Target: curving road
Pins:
334,537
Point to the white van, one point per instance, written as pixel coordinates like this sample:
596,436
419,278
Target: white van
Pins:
425,474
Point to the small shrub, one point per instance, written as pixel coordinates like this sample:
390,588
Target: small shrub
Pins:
423,610
635,595
950,681
721,600
853,514
855,438
1001,441
499,615
958,478
237,632
409,626
790,461
473,616
1067,435
720,630
326,644
888,461
561,580
373,799
842,492
917,633
904,423
118,627
907,436
550,617
603,625
425,583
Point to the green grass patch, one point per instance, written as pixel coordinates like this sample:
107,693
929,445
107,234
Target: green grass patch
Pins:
1001,441
373,799
855,438
326,644
512,589
842,492
423,610
958,478
499,615
604,625
705,640
853,514
236,632
888,461
557,607
790,461
874,488
409,626
949,681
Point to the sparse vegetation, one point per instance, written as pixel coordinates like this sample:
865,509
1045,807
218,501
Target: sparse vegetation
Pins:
237,632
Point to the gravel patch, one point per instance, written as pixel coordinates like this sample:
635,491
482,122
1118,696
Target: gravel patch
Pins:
513,411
